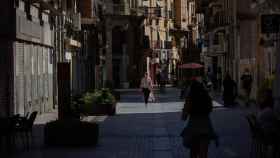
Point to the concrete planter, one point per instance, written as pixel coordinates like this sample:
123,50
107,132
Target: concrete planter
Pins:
71,133
100,109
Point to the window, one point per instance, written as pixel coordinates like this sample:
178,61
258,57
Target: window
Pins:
150,22
40,15
69,4
171,12
158,12
146,11
165,23
27,8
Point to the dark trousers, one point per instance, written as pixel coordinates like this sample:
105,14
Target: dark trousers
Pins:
146,92
229,99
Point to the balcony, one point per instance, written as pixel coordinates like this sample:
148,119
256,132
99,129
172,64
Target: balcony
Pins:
218,45
168,44
152,12
123,10
201,5
220,19
156,45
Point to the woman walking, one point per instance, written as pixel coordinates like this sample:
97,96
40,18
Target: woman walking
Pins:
199,131
230,91
146,85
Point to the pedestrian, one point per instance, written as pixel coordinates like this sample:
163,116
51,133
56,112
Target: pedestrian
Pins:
266,117
209,74
230,90
247,81
163,80
207,82
199,132
185,89
219,78
146,86
158,77
152,97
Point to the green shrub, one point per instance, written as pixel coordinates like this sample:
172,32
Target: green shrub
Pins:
98,97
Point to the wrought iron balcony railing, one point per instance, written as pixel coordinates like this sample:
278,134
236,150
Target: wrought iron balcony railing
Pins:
122,9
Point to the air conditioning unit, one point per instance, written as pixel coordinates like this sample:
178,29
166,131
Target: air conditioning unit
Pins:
77,21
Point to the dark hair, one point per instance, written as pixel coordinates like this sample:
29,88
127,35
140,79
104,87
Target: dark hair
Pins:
200,99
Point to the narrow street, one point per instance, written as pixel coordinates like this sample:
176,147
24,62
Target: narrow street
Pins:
63,60
152,132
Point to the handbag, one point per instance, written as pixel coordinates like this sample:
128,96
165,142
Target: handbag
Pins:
186,138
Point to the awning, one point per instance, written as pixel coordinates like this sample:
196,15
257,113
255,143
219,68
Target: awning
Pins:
191,66
73,43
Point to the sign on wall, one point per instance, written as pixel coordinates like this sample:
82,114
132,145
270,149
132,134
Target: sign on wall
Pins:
270,23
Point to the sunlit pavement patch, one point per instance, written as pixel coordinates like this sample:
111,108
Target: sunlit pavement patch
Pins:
94,118
129,108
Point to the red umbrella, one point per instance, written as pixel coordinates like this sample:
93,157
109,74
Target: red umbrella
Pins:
191,66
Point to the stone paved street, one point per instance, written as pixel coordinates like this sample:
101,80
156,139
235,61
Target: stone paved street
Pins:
152,132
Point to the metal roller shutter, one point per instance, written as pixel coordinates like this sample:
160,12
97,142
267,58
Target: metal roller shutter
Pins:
45,80
19,78
33,78
50,75
40,79
27,77
34,60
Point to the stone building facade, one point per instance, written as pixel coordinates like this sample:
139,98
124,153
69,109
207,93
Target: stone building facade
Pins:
234,42
27,42
123,43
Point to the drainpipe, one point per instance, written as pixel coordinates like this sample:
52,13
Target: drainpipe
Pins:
277,79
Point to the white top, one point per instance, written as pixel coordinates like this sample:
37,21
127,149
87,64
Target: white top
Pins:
146,82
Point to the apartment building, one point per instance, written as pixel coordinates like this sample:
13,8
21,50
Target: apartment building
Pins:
124,36
158,23
231,39
188,30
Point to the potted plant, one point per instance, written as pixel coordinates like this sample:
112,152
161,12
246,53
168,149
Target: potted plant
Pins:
72,131
99,102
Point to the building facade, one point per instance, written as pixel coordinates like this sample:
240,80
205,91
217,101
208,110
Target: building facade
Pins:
123,34
163,53
231,40
27,41
187,32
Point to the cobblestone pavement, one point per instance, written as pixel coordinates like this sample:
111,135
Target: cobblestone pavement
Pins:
152,132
